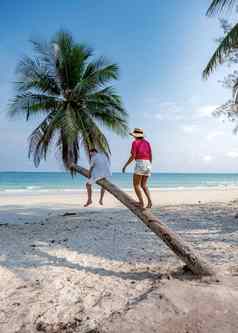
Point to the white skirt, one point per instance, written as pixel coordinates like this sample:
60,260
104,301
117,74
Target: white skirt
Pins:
142,167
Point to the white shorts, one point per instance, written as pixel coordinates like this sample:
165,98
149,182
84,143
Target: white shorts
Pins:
143,168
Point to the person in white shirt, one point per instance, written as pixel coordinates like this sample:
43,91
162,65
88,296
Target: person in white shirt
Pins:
99,168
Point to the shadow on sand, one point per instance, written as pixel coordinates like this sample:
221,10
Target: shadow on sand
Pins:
35,237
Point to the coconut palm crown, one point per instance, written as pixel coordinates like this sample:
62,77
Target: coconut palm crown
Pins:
230,41
72,93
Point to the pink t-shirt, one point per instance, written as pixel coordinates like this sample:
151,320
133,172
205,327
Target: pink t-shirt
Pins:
141,150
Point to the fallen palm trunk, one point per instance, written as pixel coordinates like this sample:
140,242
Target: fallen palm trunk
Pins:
197,264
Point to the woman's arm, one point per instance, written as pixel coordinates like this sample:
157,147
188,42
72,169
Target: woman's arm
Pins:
127,163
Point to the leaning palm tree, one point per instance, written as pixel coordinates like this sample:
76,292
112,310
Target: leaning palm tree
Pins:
74,98
230,41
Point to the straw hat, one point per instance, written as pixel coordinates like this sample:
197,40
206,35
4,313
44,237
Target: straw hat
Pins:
137,133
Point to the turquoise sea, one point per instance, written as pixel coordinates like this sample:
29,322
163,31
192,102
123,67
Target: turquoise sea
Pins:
46,181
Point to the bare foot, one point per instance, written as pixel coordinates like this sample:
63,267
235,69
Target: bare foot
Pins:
101,202
149,205
88,203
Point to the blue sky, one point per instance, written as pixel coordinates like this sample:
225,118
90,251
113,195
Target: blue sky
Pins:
161,47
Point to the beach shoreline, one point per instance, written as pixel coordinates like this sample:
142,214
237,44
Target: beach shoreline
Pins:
76,199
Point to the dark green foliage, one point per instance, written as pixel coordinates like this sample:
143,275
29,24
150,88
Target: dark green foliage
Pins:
217,6
71,91
228,43
229,109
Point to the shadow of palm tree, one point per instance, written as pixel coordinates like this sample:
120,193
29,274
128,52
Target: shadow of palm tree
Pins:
116,239
97,239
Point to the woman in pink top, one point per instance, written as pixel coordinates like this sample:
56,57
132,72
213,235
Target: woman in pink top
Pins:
142,154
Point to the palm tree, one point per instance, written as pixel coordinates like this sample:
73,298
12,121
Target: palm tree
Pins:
74,98
230,41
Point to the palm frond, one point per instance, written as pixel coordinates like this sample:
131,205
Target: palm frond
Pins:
94,137
99,73
29,104
69,124
79,56
106,106
45,52
217,6
69,153
226,46
64,42
40,139
229,110
32,74
70,59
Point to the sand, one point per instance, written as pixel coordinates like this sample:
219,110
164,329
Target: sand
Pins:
101,270
75,199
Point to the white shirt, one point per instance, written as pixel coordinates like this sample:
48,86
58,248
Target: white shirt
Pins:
101,166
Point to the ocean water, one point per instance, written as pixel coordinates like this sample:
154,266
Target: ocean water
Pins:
47,181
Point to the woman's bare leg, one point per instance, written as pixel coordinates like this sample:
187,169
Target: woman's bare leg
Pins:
146,190
89,191
137,186
102,192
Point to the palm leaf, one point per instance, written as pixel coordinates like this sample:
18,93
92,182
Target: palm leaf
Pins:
41,138
225,48
29,104
94,137
45,52
106,107
32,74
69,124
99,73
217,6
69,153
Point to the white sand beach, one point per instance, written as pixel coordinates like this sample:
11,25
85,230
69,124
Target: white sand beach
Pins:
77,198
68,269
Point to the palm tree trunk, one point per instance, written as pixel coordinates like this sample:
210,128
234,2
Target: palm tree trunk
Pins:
198,265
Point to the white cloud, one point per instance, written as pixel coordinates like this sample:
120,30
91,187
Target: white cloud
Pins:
159,116
188,128
165,110
232,154
168,111
162,116
175,111
205,111
214,134
208,158
178,117
182,112
170,107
